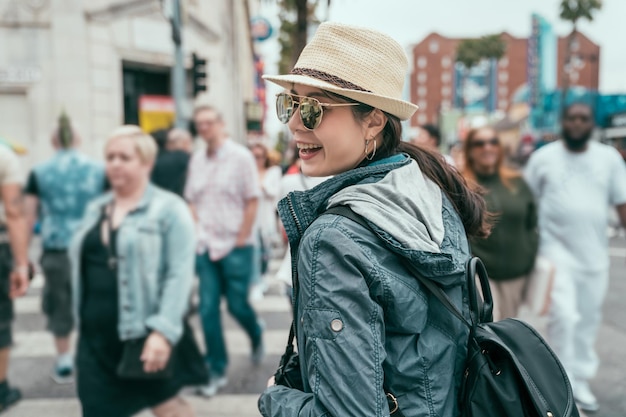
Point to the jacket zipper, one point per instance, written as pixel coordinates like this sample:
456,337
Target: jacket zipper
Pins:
294,258
294,272
293,213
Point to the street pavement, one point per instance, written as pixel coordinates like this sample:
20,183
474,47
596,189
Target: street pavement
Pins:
33,356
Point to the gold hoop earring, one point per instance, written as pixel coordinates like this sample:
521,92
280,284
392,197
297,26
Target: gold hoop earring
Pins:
370,157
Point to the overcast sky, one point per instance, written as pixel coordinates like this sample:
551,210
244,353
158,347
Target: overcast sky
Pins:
408,21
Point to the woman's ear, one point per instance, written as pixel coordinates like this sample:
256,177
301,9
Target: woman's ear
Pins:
375,123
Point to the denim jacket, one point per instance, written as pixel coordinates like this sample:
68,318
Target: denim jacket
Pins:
156,253
364,326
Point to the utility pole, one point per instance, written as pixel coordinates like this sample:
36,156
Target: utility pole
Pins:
178,71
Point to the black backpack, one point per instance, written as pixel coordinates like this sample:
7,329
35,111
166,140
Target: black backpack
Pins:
510,371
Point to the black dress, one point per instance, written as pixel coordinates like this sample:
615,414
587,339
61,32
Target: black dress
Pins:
100,391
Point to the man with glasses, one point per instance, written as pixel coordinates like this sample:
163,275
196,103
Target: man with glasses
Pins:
223,190
575,181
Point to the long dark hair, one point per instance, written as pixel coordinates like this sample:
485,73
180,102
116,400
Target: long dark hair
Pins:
468,202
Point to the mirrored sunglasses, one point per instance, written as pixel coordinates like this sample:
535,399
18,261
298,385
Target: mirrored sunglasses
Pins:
311,110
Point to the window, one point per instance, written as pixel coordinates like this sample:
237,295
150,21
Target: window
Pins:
433,47
421,62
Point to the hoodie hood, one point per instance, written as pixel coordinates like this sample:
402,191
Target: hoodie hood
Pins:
408,212
404,204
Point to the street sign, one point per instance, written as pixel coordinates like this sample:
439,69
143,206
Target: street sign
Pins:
260,28
156,112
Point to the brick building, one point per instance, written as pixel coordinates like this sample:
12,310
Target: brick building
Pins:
434,80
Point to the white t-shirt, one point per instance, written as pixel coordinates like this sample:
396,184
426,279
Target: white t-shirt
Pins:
574,192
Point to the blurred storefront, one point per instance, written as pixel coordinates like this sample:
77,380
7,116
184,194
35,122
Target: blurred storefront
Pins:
96,59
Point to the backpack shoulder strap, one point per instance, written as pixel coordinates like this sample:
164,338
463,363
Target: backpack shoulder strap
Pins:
435,290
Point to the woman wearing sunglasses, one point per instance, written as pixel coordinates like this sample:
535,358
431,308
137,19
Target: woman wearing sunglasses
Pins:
510,250
370,339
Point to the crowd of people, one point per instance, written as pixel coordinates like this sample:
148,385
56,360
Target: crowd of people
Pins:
122,242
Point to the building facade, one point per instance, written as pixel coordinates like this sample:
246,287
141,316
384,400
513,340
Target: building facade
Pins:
435,79
95,59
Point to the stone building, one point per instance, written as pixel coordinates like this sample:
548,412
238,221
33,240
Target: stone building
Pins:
95,58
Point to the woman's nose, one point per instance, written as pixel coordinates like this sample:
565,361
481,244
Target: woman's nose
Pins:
295,123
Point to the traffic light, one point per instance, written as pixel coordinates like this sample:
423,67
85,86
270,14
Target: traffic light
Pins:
199,74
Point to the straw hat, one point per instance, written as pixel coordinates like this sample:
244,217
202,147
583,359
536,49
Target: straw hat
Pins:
362,64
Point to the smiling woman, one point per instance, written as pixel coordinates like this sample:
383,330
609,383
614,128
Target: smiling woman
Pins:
356,315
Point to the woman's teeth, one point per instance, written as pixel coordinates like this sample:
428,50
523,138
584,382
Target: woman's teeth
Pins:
308,146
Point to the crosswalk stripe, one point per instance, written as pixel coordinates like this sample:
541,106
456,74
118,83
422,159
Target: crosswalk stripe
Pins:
220,406
35,344
31,304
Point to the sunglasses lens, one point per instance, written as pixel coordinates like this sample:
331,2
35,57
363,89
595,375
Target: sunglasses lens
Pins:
284,107
311,113
483,143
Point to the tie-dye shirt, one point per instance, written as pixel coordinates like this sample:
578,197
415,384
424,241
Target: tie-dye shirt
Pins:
64,185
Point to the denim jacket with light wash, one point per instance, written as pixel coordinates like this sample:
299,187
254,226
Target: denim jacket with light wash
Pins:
364,325
156,252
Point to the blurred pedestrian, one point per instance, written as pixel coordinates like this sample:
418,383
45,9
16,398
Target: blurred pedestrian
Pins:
429,136
267,220
13,262
57,193
365,328
179,140
575,181
510,250
133,261
223,191
170,167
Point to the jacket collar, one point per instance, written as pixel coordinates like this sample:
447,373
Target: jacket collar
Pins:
143,203
300,208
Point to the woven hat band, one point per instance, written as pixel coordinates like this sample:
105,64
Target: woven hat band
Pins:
329,78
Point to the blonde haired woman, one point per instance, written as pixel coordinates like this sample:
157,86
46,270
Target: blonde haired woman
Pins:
133,265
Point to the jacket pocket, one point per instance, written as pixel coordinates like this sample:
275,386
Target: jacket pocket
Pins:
322,324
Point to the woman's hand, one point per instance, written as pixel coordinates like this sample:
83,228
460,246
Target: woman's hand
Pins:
156,352
271,382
